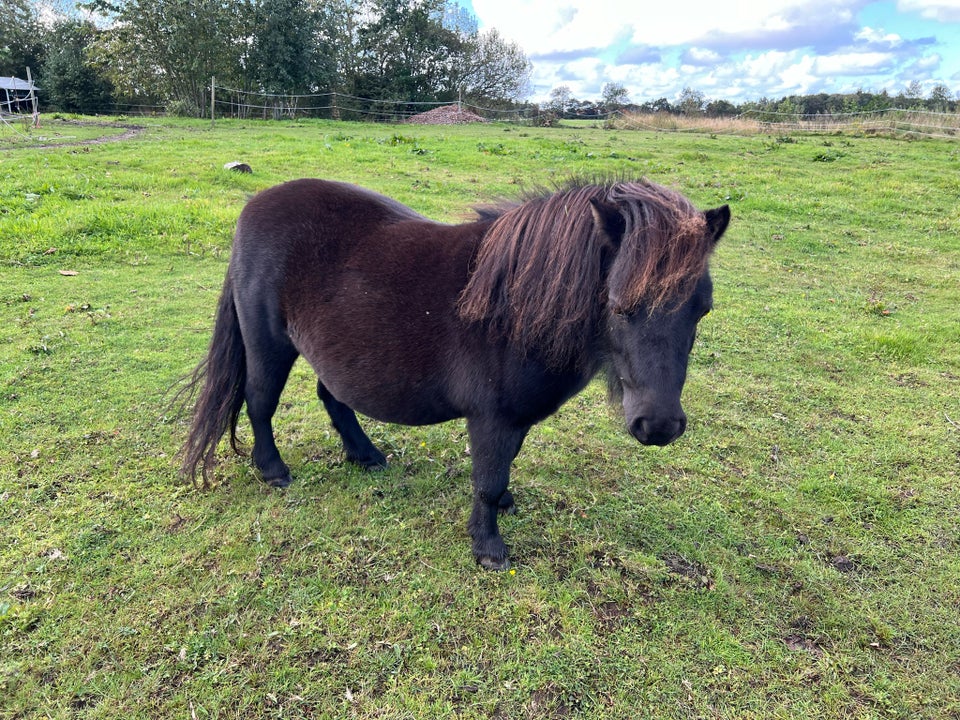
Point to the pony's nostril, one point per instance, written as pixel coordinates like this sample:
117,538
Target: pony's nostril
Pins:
658,431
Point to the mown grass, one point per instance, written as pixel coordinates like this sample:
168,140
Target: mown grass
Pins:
794,555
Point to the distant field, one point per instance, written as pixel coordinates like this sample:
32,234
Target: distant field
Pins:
904,124
795,555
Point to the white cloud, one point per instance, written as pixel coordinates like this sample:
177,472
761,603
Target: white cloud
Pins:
584,77
928,63
798,78
766,66
939,10
700,56
688,21
877,37
655,81
544,26
852,63
736,50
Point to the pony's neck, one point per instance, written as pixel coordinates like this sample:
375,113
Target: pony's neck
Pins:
538,279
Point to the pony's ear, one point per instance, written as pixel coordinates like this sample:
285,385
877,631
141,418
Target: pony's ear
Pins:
609,221
717,221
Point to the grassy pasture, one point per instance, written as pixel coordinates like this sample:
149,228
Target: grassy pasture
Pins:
796,554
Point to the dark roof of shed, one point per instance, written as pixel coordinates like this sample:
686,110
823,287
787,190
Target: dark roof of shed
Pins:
12,83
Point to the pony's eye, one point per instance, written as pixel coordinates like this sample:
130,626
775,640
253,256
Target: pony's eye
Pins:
701,309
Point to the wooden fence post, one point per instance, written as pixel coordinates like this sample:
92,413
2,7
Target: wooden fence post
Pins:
33,98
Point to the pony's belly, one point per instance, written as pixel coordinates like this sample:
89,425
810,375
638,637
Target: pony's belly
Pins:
393,376
387,395
401,408
406,416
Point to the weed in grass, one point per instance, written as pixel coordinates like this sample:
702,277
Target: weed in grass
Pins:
876,305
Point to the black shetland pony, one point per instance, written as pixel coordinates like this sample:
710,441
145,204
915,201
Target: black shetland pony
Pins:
499,320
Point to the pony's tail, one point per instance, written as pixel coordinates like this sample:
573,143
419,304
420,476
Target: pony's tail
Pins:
221,378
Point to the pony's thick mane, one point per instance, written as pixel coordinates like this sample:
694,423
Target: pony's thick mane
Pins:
541,279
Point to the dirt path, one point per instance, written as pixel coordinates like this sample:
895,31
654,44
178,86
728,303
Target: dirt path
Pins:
130,131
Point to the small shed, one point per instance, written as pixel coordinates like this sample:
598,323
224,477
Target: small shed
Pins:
16,95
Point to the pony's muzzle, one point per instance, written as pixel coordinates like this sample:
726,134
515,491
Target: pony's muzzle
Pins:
658,430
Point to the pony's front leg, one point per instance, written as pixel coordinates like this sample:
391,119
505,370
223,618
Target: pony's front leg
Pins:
494,446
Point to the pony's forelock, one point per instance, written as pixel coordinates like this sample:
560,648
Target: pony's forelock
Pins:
664,250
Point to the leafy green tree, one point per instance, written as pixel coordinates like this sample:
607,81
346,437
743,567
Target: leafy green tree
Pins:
405,51
70,81
614,95
691,102
560,99
283,56
492,69
881,101
22,38
721,108
172,48
939,98
412,50
429,50
816,104
333,26
912,95
789,109
658,105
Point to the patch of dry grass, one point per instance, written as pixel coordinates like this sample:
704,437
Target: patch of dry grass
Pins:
888,122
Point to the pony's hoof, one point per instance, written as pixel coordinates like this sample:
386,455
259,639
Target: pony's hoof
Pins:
373,463
279,482
489,563
492,555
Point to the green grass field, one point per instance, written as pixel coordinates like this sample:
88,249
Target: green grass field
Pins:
795,555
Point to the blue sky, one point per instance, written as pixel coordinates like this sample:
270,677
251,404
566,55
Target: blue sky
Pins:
736,50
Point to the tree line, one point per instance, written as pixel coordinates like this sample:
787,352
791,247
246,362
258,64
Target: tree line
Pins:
163,53
690,102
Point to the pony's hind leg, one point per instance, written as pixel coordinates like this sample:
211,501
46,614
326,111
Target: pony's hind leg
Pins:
360,450
267,373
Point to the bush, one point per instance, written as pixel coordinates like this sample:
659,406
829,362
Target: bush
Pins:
183,108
